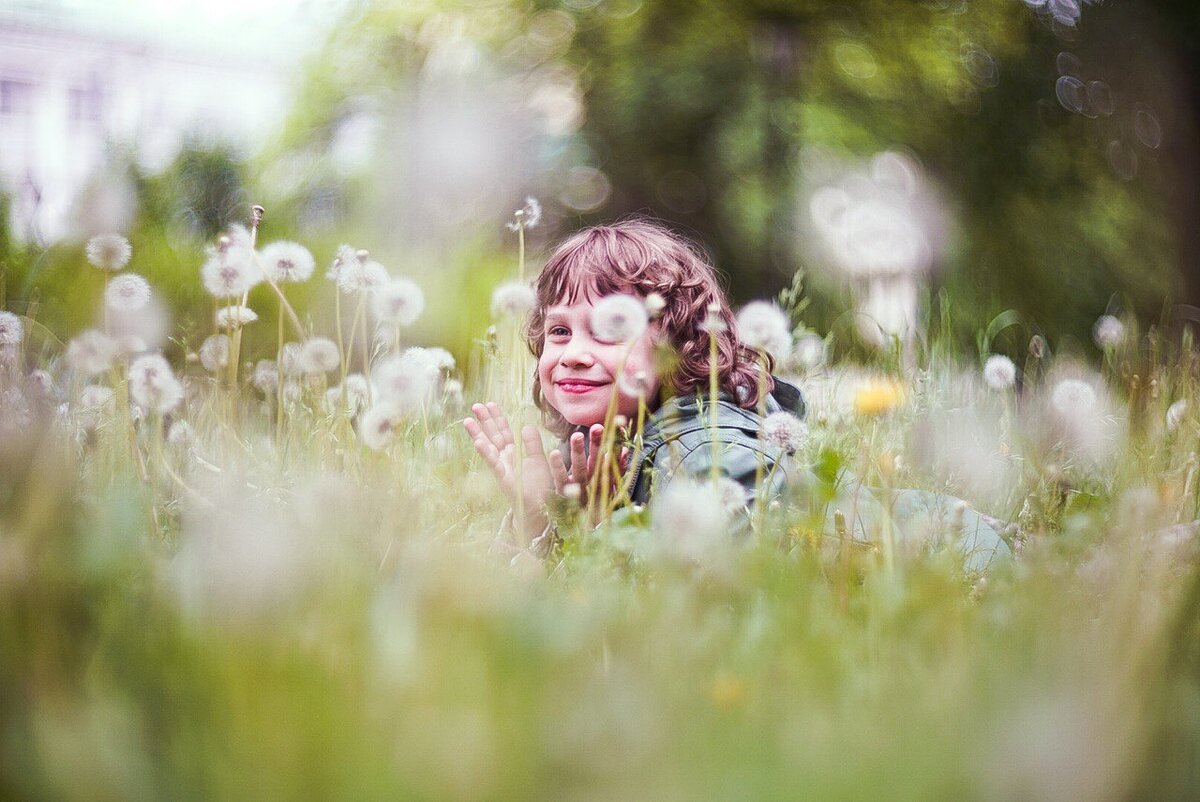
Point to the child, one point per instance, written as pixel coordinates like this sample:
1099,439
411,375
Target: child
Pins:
577,373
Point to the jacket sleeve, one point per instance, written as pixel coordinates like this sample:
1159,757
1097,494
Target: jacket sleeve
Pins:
742,461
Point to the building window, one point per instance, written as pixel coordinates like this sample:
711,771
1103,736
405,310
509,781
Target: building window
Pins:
16,97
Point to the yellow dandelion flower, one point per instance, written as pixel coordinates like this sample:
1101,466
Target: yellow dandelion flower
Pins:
877,397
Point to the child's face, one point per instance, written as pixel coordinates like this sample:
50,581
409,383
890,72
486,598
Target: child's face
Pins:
579,373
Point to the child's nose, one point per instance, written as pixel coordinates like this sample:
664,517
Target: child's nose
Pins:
577,353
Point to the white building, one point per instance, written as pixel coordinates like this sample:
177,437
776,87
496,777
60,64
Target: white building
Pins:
74,86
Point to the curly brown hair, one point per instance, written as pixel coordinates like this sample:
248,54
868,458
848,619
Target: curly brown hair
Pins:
640,257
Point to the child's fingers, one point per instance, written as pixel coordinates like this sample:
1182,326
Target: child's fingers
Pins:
533,442
501,421
492,457
578,459
595,435
490,420
558,470
474,431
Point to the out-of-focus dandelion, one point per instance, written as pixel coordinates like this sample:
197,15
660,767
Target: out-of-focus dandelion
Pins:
231,268
810,352
180,434
438,360
1109,332
12,330
152,384
999,372
214,353
713,322
109,252
234,317
452,391
618,318
91,352
289,358
514,299
1073,397
286,261
527,216
407,380
319,355
655,304
762,326
1175,414
877,396
784,430
41,383
361,274
344,256
353,392
377,426
266,376
732,495
95,402
689,517
127,293
635,385
398,302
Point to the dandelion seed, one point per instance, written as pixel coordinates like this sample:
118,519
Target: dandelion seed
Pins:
286,261
127,293
1108,332
355,392
406,380
810,352
180,434
377,426
231,268
266,376
999,372
214,353
345,255
91,352
1175,414
319,355
1073,397
877,396
785,431
527,216
234,317
109,252
152,384
655,304
514,299
618,318
398,302
763,327
12,330
689,517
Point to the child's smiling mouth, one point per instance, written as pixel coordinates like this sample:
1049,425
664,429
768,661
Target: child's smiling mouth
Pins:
578,386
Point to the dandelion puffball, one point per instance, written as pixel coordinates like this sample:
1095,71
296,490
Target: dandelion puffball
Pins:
785,431
214,353
378,425
810,352
92,352
285,261
513,299
999,372
234,317
127,293
690,518
398,302
762,326
1175,414
319,355
1108,332
231,269
406,380
12,330
108,252
618,318
345,255
266,376
152,384
1072,397
361,275
527,216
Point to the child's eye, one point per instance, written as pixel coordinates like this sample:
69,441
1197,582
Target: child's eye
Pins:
558,331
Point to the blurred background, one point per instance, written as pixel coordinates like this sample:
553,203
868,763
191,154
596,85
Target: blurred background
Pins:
918,161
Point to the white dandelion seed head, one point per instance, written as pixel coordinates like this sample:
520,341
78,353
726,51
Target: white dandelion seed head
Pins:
214,353
1175,414
180,434
10,356
1108,332
713,322
999,372
785,431
266,376
527,216
407,380
354,391
655,304
345,255
128,292
234,317
92,352
131,345
398,302
362,275
689,517
514,299
634,385
439,361
152,384
12,329
618,318
452,391
1073,397
231,268
810,352
289,358
763,326
287,262
319,355
108,252
732,495
377,426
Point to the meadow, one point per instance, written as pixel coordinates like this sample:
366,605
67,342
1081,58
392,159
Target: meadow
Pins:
232,577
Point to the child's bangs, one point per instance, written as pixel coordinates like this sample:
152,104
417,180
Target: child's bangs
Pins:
585,274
